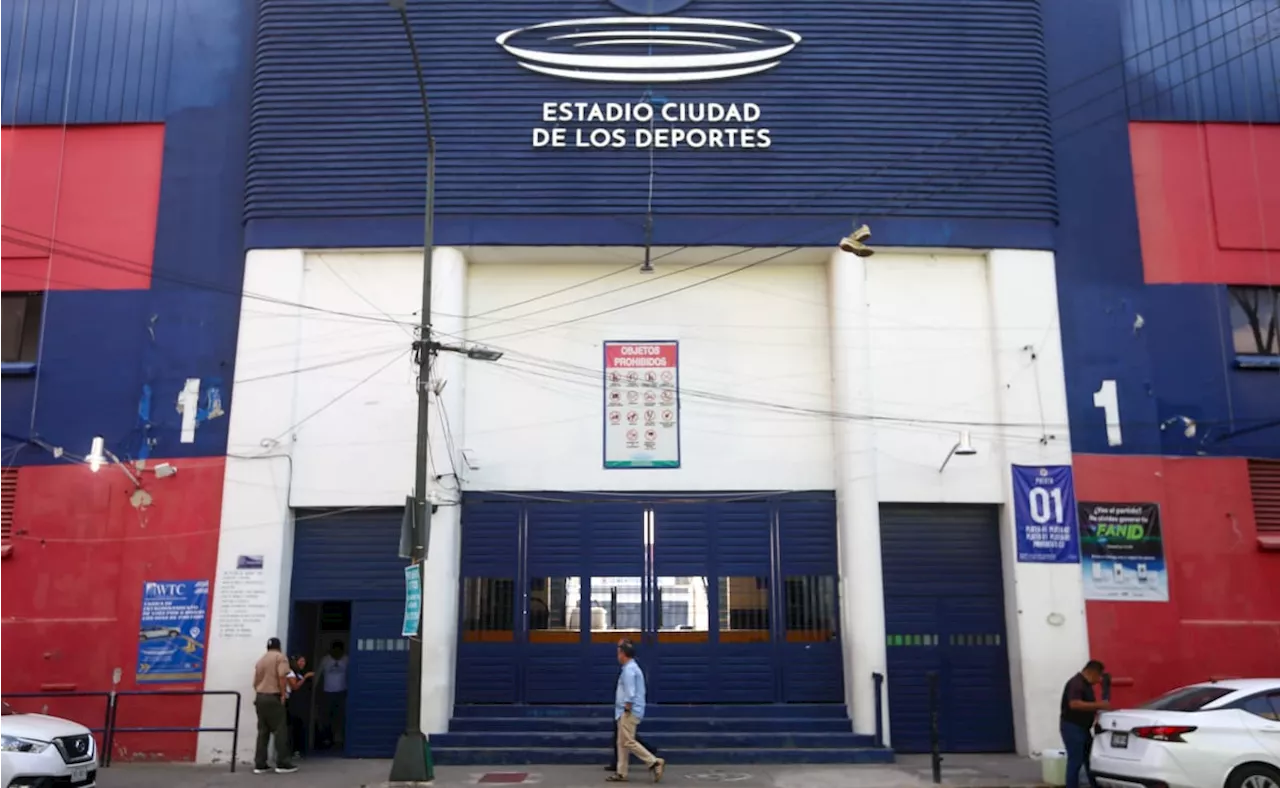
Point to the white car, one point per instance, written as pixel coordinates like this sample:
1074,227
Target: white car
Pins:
1223,734
40,750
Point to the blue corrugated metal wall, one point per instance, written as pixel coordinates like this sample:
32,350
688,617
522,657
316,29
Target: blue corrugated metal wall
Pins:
944,612
112,363
873,113
1183,60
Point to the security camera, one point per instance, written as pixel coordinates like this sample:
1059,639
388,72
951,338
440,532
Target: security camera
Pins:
853,243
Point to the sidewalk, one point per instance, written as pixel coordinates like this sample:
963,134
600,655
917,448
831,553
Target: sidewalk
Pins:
911,771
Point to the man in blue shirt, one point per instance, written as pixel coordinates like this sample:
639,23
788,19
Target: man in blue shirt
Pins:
628,711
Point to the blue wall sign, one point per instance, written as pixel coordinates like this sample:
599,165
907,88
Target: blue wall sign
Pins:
172,632
1044,514
412,601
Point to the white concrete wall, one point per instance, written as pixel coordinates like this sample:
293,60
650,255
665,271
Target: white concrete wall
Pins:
326,393
534,420
974,339
323,415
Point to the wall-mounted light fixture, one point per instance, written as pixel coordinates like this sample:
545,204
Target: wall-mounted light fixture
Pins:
97,456
963,448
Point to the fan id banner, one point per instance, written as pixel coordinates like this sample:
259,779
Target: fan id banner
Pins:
642,404
1044,512
1122,552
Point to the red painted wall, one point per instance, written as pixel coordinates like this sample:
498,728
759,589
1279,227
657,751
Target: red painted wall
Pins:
1223,614
1208,202
72,588
96,189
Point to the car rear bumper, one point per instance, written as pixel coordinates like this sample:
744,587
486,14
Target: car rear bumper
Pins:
1134,774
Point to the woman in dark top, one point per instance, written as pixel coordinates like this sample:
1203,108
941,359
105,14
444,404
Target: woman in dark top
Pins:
299,704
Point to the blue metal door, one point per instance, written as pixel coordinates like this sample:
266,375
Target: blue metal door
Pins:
808,579
730,598
378,679
944,613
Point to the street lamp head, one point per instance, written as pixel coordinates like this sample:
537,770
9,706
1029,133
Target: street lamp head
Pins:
483,354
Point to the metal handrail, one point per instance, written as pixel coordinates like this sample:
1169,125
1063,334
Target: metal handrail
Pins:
109,728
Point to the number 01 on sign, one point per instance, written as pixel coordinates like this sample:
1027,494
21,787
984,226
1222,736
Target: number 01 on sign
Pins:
1044,513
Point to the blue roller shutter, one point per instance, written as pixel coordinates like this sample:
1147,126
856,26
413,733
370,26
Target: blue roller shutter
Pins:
944,612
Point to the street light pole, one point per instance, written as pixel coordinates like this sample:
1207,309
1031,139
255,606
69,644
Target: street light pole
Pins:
411,762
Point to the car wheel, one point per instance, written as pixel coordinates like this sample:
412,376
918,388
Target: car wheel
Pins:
1254,775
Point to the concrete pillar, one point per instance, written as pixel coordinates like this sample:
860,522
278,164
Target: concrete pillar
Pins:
441,573
861,584
1044,603
250,605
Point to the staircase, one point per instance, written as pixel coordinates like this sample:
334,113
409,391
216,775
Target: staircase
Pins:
737,734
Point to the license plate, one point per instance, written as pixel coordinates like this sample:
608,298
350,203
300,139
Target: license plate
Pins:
1120,741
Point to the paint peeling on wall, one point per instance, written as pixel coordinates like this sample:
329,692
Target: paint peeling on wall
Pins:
144,423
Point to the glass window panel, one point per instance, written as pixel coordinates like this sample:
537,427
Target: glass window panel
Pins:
1255,320
811,609
683,609
744,609
615,608
555,609
488,610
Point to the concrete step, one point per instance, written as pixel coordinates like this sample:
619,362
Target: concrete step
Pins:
507,756
658,711
744,740
653,725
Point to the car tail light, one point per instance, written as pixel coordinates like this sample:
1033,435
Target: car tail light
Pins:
1171,733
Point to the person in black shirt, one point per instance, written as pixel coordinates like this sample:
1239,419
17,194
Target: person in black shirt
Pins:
1079,707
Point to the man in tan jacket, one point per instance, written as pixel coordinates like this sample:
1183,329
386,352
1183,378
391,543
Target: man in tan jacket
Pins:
270,682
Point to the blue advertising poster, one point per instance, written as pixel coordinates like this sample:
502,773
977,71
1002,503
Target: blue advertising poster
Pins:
1123,552
1044,514
171,633
412,601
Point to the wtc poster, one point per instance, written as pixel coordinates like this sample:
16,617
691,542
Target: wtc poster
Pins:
1044,512
172,633
1122,552
642,404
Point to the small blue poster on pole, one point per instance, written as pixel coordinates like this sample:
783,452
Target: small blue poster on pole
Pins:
1044,514
172,632
412,601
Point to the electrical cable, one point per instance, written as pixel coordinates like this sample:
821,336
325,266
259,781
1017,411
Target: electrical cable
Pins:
339,397
573,373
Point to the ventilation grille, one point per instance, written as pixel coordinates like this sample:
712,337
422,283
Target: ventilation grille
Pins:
8,497
1264,480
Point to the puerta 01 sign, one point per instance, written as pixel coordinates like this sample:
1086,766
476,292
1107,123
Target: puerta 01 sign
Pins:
1122,552
172,632
651,47
642,404
1044,511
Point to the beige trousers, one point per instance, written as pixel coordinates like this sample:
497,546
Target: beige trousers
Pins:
628,746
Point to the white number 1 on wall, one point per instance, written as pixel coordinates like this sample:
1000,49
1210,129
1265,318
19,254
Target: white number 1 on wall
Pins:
1106,398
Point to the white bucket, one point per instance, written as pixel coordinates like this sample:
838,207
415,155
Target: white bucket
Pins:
1053,767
